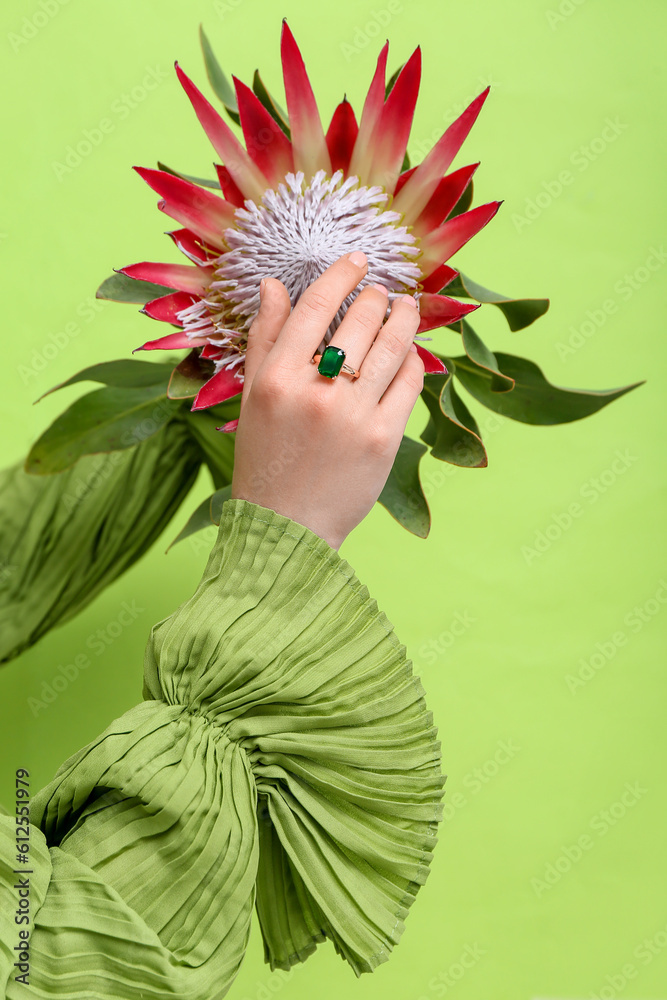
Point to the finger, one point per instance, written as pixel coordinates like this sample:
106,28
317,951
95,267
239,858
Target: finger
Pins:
390,347
398,401
273,312
361,324
314,312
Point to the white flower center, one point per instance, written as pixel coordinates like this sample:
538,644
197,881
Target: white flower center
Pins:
294,235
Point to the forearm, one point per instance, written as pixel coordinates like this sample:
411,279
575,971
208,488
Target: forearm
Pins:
278,684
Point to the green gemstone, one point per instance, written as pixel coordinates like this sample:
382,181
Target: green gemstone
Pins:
331,361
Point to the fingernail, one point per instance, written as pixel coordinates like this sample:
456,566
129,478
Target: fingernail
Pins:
409,299
381,288
358,257
262,286
413,347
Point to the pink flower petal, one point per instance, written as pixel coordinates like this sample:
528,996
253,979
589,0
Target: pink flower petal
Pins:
172,342
403,178
446,195
443,242
341,136
308,143
416,194
243,171
202,211
440,310
230,426
362,157
229,189
439,279
432,365
213,351
192,246
166,307
391,140
222,386
184,277
265,141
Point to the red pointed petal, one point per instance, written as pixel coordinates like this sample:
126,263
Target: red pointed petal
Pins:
172,342
308,143
243,171
391,140
341,136
432,365
222,386
417,193
442,243
362,157
229,189
440,310
265,141
405,176
231,425
213,351
446,195
184,277
439,279
167,307
202,211
190,244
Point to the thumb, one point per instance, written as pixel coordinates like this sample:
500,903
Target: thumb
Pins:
274,309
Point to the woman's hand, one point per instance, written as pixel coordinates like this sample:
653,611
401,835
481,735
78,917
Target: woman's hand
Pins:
320,450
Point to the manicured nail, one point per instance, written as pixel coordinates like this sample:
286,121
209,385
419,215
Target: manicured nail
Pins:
358,257
262,287
381,288
409,299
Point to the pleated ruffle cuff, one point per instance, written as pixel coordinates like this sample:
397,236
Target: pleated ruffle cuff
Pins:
283,757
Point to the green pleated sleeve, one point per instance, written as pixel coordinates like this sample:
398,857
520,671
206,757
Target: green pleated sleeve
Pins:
283,757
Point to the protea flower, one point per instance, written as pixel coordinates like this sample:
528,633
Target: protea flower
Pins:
295,199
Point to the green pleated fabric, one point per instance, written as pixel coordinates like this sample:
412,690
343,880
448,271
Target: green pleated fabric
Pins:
65,537
283,757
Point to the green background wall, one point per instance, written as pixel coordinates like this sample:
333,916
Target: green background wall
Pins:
549,876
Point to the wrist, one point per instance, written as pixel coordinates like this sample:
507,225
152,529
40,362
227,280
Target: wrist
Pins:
305,518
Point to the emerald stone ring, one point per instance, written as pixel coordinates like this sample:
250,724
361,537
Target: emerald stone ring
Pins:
331,363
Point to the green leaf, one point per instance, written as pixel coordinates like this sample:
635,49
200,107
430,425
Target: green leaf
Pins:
270,104
189,376
221,85
215,185
109,419
519,313
478,352
452,432
128,373
464,202
402,494
121,288
229,410
533,400
217,446
207,513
